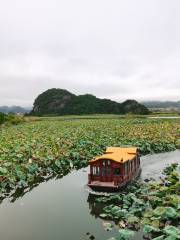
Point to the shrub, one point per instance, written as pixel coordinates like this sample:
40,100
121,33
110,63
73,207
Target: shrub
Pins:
2,118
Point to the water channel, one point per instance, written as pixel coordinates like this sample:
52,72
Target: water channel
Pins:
62,209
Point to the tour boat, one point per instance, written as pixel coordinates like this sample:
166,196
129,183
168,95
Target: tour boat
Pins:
113,170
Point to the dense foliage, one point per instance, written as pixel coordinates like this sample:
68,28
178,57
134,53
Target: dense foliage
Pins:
45,148
2,118
155,206
61,102
10,119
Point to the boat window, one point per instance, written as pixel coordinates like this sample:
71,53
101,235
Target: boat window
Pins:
117,171
106,162
106,171
103,171
96,171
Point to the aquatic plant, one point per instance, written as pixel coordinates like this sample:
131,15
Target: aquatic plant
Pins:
153,205
34,151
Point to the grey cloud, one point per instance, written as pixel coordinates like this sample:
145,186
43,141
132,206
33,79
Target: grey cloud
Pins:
113,49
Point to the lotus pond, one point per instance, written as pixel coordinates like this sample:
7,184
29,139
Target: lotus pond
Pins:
65,209
34,151
152,207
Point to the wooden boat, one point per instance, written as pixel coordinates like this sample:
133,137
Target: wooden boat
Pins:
114,169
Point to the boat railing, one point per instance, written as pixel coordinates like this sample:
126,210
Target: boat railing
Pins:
118,180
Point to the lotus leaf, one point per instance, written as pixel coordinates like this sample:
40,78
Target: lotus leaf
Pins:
103,215
126,234
171,238
132,219
171,230
155,223
3,170
150,229
170,212
159,211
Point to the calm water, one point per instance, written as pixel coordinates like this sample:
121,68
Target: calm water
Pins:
165,117
63,209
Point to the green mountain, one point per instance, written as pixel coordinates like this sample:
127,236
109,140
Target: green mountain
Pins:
162,104
13,109
62,102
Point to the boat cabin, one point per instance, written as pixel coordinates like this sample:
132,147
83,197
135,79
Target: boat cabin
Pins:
114,169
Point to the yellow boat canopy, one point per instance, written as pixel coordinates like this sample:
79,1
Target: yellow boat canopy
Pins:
118,154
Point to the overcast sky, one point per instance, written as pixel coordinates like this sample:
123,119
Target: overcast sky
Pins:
118,49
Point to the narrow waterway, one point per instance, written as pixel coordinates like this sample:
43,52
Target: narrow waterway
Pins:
62,209
153,164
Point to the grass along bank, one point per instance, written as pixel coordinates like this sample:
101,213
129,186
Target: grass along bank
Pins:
36,150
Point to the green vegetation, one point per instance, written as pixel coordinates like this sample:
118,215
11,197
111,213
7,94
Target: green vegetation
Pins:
61,102
153,206
33,151
10,119
2,118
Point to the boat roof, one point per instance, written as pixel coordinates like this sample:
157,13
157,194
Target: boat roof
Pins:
117,154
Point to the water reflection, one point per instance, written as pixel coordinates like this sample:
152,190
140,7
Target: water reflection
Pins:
94,206
20,192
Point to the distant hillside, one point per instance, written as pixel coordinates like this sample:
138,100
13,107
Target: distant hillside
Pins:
62,102
161,104
13,109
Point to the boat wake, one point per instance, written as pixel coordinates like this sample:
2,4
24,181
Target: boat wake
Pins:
100,193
